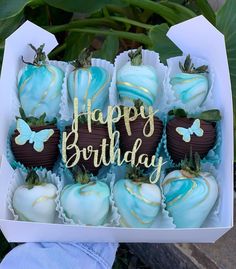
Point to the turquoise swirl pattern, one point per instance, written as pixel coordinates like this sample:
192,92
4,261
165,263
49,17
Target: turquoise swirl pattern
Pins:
87,203
190,89
137,82
39,89
89,83
138,203
189,200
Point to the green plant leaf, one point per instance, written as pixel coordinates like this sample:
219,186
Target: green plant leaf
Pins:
8,26
161,43
206,10
46,15
109,49
75,43
172,12
226,22
10,8
88,6
179,9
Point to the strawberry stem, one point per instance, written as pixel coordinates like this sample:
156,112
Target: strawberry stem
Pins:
189,68
40,56
136,56
83,60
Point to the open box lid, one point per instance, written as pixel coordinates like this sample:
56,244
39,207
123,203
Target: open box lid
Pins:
197,37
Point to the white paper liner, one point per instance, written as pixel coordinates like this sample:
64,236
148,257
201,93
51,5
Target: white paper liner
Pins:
213,219
171,100
66,107
149,58
113,216
162,220
18,179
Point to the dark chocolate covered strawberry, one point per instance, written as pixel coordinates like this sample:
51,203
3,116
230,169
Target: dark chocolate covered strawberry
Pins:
187,132
149,144
86,139
35,141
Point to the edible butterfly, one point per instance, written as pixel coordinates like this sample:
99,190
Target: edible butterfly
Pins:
35,138
187,132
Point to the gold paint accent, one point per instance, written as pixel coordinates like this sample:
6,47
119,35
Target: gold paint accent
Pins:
18,213
188,193
45,94
75,81
89,82
124,223
43,199
138,196
196,95
101,89
139,219
185,81
169,180
184,197
136,87
83,192
23,84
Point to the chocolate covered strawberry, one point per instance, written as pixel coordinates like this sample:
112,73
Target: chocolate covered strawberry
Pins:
191,85
35,141
87,82
88,139
86,201
149,144
35,200
190,194
191,132
39,86
136,80
138,201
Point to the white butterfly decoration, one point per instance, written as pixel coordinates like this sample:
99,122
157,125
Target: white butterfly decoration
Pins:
35,138
187,132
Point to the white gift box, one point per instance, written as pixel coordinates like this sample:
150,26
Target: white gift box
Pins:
197,37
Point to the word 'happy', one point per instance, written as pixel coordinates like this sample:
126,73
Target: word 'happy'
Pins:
114,114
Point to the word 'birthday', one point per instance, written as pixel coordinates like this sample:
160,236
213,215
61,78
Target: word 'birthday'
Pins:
109,153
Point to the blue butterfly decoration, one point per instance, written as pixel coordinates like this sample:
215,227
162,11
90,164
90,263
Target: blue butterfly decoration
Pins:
187,132
35,138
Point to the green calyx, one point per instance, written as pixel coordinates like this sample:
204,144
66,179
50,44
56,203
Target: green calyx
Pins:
138,104
40,56
189,68
212,115
83,60
83,119
136,56
32,121
136,174
191,167
80,176
32,179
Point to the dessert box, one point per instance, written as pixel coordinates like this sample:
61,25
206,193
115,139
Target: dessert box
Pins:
206,42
